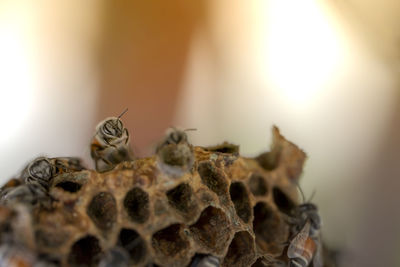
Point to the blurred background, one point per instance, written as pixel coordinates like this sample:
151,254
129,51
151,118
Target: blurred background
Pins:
325,72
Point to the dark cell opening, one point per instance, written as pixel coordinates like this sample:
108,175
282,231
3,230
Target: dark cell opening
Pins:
103,210
282,201
241,251
69,186
213,178
212,229
85,252
130,240
258,186
269,160
136,203
240,199
267,227
225,147
181,197
170,241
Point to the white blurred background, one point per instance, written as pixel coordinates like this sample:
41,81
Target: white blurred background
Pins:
325,72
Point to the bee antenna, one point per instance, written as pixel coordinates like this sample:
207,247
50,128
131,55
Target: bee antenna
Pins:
312,196
190,129
302,193
122,114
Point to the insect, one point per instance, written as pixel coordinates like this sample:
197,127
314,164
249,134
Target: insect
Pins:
174,152
110,144
30,194
15,256
306,244
42,170
204,261
174,136
115,257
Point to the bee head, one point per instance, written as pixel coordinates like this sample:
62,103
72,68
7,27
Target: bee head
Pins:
112,128
176,136
41,168
309,211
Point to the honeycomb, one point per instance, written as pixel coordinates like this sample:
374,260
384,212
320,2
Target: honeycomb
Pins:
162,210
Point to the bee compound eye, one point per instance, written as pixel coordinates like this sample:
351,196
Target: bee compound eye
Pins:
113,127
41,169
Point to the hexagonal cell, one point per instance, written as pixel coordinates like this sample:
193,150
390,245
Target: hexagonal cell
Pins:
225,147
69,186
258,185
170,241
240,199
270,160
282,201
213,178
241,251
85,252
181,199
103,210
269,229
136,203
212,229
130,240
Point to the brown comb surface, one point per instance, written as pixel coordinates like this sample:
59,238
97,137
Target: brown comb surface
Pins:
225,205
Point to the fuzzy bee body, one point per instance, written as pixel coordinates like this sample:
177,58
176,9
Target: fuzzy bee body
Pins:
42,170
115,257
305,246
110,145
31,194
175,153
205,261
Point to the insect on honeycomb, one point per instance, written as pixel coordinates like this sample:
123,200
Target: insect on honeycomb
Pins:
161,210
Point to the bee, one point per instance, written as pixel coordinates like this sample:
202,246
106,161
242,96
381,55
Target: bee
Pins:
174,152
110,144
306,245
15,256
42,170
115,257
30,194
205,261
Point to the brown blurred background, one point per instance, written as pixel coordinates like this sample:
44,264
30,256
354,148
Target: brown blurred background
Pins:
325,72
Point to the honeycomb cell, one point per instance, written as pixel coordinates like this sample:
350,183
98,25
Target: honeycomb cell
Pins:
269,160
69,186
241,251
212,229
268,228
170,241
282,201
213,178
85,252
180,198
103,210
130,240
136,203
257,184
225,147
240,199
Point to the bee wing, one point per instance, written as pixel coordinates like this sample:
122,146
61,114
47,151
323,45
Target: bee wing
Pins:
298,242
318,260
